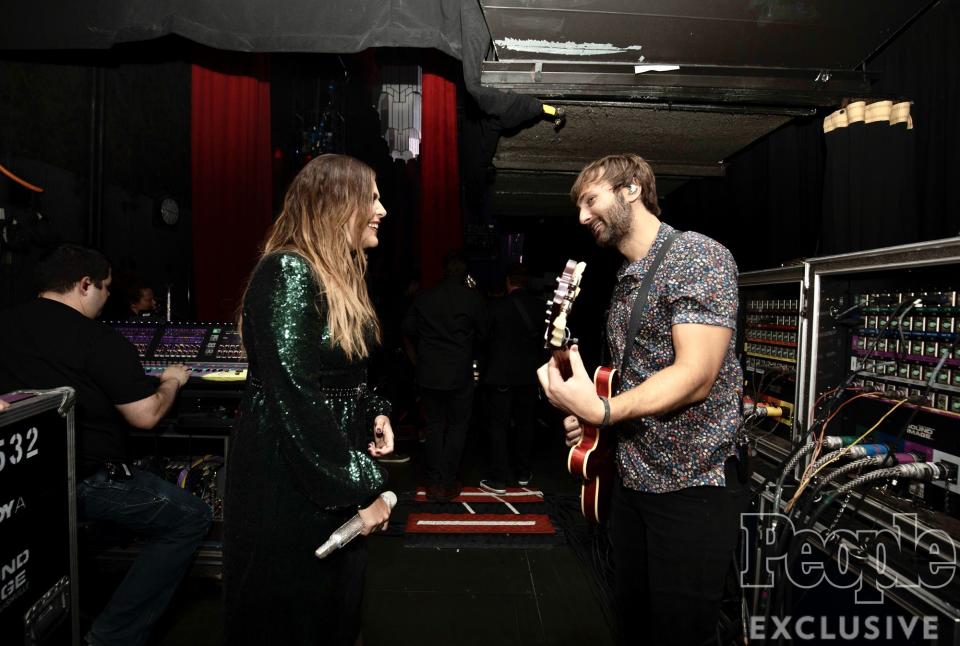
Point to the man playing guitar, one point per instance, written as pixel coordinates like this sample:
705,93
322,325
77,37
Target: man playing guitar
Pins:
676,507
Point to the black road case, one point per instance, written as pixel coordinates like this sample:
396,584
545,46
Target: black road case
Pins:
38,527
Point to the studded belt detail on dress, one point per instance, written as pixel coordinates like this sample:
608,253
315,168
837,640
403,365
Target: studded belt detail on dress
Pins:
356,392
338,391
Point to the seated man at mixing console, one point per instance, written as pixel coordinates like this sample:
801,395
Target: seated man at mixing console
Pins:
54,341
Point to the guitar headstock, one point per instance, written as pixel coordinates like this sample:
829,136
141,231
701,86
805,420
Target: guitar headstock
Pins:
557,336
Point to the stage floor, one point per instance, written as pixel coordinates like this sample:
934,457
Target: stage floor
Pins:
472,593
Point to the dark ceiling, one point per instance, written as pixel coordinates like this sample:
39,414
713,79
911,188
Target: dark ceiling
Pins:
737,71
787,34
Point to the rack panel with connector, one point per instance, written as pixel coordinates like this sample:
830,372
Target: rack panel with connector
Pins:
877,541
769,338
906,347
770,329
877,449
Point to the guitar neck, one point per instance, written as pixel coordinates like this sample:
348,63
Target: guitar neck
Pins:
563,363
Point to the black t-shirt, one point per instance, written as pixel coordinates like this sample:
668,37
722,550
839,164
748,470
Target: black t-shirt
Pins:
46,344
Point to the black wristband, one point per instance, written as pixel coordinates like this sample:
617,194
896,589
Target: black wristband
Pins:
606,412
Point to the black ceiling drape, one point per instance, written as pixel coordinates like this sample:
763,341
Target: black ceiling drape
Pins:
455,27
240,25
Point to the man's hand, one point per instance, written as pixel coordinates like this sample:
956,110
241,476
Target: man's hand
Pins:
176,371
576,395
145,413
382,437
376,517
573,428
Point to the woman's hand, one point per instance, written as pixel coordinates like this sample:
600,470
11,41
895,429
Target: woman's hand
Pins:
375,518
382,437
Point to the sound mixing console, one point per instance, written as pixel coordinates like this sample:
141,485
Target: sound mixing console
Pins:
213,351
193,437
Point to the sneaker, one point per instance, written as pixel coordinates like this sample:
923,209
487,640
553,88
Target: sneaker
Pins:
493,486
524,480
394,458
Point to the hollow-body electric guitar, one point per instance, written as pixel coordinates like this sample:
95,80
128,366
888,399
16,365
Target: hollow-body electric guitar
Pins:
592,458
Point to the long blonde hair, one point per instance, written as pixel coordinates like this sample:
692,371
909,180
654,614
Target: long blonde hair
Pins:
317,210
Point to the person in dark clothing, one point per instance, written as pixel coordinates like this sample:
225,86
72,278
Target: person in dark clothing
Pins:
54,341
304,450
140,299
445,323
514,352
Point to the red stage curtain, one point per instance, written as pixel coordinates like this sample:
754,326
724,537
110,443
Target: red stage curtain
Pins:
440,228
231,172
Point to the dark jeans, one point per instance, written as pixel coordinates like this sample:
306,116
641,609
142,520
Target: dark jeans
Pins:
169,521
671,553
448,417
506,403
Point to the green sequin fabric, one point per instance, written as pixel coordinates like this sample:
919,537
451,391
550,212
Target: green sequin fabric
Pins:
306,398
298,464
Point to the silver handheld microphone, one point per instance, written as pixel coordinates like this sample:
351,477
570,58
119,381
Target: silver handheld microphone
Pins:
350,529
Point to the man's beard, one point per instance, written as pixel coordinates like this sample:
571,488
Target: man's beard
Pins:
616,223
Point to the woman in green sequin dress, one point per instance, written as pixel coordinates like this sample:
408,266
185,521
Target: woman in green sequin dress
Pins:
302,454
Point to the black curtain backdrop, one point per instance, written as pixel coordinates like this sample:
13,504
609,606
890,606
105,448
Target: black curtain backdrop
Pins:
870,179
923,65
768,208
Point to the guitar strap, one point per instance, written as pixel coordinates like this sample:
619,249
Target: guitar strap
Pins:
639,304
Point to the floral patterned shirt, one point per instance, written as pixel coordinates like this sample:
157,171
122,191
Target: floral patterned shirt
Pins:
697,283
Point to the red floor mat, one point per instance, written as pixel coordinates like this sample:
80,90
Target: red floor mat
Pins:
479,524
475,494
